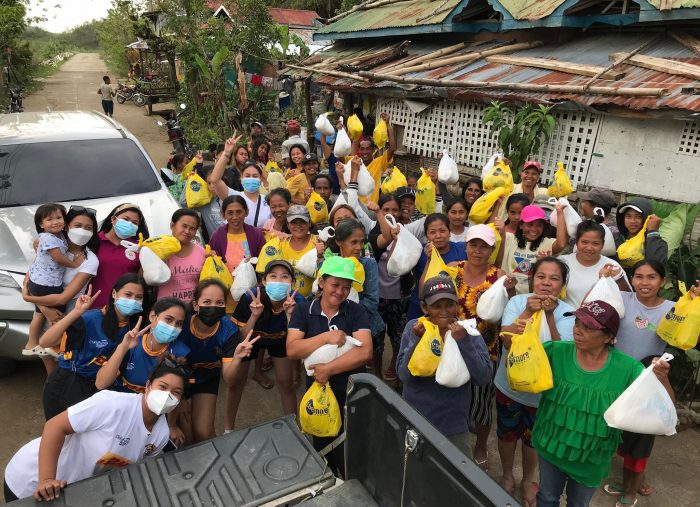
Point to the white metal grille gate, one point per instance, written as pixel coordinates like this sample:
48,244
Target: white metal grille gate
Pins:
459,127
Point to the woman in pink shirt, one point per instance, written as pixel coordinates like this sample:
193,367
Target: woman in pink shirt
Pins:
186,265
125,222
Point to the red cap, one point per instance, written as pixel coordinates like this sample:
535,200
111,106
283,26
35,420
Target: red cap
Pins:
599,315
532,163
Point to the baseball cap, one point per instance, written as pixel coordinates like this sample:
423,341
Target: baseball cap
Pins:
530,164
599,315
310,157
278,262
600,196
630,206
258,124
483,232
405,191
437,288
297,211
339,267
531,213
293,124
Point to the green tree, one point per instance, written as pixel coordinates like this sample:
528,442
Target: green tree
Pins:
115,31
520,133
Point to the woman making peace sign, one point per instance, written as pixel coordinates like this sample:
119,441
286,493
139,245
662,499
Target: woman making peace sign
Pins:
87,338
266,311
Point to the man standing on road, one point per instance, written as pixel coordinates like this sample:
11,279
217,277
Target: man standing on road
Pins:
107,93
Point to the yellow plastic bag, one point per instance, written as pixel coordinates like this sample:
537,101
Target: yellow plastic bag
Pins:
355,127
187,170
500,175
318,209
561,186
394,181
483,207
497,245
527,364
425,194
215,268
631,251
272,167
319,412
426,355
380,134
164,246
437,267
197,192
681,326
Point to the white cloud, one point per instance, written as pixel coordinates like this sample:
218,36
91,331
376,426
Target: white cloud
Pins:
62,15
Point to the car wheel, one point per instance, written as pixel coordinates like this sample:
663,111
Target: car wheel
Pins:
7,366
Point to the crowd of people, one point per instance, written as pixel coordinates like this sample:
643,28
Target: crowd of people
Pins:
145,362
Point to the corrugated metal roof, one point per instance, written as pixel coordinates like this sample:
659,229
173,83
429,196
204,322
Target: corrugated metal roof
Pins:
677,4
294,17
530,9
592,50
402,14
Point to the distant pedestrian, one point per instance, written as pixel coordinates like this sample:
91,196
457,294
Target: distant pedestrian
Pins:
107,93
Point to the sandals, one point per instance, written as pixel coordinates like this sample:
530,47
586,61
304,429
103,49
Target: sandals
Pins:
614,489
483,464
390,374
36,351
626,503
527,500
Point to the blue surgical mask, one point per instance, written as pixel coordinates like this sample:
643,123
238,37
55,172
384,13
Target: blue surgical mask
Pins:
250,184
277,290
165,333
128,307
125,229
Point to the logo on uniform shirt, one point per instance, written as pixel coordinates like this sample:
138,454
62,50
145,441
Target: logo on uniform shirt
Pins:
270,251
99,343
123,440
130,366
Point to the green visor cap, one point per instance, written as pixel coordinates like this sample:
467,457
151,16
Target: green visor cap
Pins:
338,267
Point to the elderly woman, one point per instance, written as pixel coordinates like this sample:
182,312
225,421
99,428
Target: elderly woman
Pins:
572,439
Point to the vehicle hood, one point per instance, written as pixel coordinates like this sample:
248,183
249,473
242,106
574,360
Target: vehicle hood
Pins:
17,231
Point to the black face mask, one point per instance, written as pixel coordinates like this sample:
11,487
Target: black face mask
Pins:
210,315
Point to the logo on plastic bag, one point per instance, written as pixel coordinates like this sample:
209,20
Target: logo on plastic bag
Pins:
436,347
195,186
311,410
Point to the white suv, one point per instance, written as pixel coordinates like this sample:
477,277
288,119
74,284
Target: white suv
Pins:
71,157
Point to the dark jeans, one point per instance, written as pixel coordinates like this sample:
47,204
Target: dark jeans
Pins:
108,107
552,484
9,495
63,389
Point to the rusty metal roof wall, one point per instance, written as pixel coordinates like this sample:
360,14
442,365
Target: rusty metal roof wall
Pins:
295,17
530,9
402,14
593,50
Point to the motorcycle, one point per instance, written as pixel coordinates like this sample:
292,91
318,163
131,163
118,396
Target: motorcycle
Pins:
176,134
15,105
124,93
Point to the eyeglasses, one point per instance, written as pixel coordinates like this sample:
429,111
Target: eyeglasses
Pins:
184,370
81,209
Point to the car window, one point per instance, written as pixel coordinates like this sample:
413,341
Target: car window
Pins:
37,173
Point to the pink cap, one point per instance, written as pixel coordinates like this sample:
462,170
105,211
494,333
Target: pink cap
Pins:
531,213
483,232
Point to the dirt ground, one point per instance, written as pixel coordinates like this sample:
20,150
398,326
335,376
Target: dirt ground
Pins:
673,467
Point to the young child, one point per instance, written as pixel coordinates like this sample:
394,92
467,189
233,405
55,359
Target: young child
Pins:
46,274
514,206
446,408
457,214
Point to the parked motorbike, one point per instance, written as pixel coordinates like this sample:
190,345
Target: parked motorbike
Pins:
176,134
124,93
15,105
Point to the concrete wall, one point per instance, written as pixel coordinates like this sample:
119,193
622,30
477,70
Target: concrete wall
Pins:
642,157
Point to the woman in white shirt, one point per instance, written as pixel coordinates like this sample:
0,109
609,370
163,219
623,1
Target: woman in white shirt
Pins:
586,264
108,430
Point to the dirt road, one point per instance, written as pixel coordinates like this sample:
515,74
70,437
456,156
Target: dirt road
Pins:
673,466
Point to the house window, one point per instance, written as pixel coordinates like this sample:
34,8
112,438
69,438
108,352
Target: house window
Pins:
690,139
459,127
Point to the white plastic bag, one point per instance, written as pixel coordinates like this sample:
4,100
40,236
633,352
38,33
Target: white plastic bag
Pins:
489,165
644,407
307,263
354,296
406,252
155,271
493,301
609,247
452,371
365,182
326,233
329,352
447,170
323,125
545,333
605,289
243,278
343,144
570,216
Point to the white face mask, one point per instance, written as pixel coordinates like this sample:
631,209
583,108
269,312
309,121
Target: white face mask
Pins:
79,236
161,402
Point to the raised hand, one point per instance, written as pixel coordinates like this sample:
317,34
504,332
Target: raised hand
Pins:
432,173
256,307
653,224
84,302
244,348
320,248
289,303
418,329
232,141
132,337
458,331
385,117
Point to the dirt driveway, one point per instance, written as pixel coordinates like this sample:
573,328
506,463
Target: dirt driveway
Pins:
673,467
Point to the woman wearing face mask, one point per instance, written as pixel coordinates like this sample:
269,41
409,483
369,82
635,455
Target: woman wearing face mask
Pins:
87,338
107,430
186,265
266,310
236,240
125,222
251,179
279,201
216,349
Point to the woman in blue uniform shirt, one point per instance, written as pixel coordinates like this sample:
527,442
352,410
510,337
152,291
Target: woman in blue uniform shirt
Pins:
87,338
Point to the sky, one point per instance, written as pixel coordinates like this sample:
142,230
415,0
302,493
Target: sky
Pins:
62,15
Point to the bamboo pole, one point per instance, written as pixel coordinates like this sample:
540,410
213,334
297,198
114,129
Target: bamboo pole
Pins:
468,57
614,64
429,56
687,40
557,65
371,4
661,65
553,88
334,73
